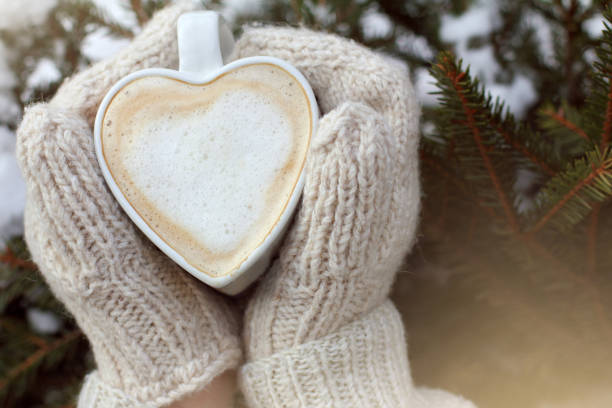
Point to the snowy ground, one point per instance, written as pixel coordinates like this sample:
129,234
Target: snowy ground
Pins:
479,20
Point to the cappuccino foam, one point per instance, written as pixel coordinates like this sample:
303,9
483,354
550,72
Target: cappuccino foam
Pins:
210,168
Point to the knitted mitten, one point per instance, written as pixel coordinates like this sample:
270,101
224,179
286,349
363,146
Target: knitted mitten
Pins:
320,329
157,334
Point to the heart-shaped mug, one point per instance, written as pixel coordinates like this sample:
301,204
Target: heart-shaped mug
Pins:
208,161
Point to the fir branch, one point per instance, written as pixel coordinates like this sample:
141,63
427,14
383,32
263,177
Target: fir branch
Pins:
570,194
141,14
598,110
512,141
434,164
22,284
11,326
571,49
564,129
36,359
462,87
11,260
564,122
605,71
607,126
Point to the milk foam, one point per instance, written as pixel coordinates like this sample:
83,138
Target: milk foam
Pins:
224,165
209,168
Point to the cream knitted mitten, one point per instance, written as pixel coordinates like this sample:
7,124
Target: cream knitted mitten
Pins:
320,330
157,334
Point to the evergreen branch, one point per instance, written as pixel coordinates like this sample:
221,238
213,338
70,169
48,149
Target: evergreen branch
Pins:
607,126
522,149
571,48
566,132
587,181
11,260
22,283
113,27
598,110
37,358
32,338
425,158
566,123
141,15
456,76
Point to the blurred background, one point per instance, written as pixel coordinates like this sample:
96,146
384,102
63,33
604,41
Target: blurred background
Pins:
506,295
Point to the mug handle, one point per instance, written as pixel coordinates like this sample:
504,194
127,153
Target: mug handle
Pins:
204,42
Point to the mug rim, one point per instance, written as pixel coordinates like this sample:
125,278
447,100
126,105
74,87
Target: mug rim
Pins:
194,78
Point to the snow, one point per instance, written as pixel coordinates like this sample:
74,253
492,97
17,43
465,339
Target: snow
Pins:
232,9
519,95
16,14
424,84
118,11
594,26
375,24
323,14
584,3
100,45
482,62
544,36
590,56
42,321
524,201
478,21
45,73
416,45
483,17
12,188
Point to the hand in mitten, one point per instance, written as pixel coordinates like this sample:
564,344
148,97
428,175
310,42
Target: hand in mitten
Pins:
320,329
156,333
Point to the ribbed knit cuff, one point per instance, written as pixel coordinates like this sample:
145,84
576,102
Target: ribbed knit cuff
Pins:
364,364
96,394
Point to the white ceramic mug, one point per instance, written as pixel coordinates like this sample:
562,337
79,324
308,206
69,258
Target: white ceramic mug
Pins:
205,42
